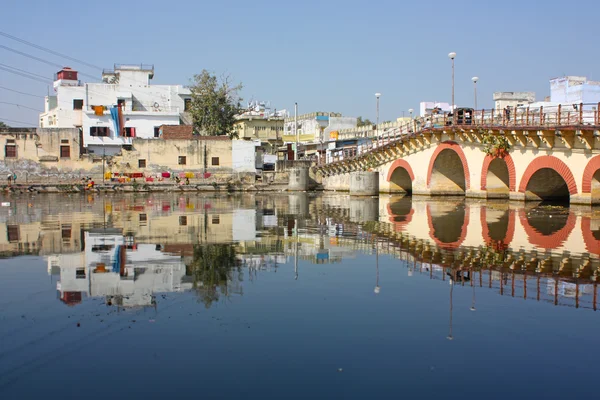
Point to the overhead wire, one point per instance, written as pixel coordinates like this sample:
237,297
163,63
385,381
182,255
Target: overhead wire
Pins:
23,93
41,60
20,105
25,75
14,121
22,70
56,53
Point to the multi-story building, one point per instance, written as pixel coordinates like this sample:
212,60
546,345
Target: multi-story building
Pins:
259,123
575,90
432,107
110,113
512,99
313,131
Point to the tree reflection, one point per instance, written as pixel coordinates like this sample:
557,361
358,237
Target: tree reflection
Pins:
215,272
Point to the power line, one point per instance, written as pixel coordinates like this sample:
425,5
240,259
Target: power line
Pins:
49,50
26,94
22,70
25,75
41,60
13,121
20,105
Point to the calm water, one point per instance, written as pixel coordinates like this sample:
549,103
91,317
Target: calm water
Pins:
296,296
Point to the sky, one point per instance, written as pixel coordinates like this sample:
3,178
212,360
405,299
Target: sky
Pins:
325,55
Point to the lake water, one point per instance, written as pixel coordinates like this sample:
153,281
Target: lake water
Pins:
296,296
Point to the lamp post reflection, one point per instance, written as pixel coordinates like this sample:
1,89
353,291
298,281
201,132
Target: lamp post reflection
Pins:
377,288
450,337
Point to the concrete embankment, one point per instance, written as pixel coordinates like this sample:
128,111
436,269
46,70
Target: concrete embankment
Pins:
140,188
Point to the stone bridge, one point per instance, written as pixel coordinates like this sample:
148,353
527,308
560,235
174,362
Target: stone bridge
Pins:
541,154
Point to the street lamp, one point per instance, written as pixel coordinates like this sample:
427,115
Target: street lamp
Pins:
377,95
475,79
410,111
452,56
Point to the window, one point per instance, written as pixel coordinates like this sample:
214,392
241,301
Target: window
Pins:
215,161
141,163
187,104
80,273
77,104
181,160
143,217
216,220
62,141
157,131
65,232
12,233
10,151
65,151
129,132
99,131
183,220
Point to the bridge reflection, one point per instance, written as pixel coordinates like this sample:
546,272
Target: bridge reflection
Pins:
128,249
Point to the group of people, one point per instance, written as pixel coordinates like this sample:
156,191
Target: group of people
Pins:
178,180
88,182
12,178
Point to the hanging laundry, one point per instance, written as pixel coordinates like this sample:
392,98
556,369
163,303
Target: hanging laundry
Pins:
114,113
99,110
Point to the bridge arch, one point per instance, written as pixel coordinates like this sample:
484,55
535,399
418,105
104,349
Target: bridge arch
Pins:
498,176
448,171
547,178
591,237
498,234
591,179
544,235
400,213
400,176
448,229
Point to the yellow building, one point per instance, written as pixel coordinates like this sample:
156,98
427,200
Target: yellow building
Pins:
269,130
212,152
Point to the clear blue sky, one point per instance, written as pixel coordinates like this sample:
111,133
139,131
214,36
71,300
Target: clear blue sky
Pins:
326,55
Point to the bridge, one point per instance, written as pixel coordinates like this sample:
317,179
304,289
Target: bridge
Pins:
532,154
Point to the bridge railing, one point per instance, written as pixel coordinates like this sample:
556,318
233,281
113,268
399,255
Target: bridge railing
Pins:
532,116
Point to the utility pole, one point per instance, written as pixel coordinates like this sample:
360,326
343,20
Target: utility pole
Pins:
103,158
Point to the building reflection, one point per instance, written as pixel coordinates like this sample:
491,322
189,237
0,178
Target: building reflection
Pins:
127,249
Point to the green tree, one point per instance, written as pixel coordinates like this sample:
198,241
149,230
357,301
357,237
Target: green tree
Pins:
3,125
365,122
212,270
215,103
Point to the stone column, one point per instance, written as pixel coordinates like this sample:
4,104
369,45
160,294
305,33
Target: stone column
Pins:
298,180
364,183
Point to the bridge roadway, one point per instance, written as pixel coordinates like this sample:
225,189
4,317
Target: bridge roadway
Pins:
541,154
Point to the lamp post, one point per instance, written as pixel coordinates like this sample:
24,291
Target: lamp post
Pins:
475,79
296,128
410,111
377,95
452,56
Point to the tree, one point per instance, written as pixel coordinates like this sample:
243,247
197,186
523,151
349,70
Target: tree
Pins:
212,269
360,122
3,125
215,103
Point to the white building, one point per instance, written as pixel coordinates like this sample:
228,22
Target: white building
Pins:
115,267
314,129
512,99
426,107
575,90
124,97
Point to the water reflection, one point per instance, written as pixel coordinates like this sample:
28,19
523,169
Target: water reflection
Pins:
127,249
